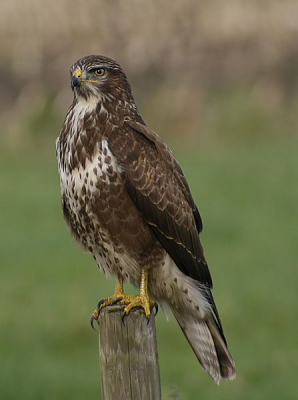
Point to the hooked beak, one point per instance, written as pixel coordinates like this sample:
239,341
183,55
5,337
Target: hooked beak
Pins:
76,78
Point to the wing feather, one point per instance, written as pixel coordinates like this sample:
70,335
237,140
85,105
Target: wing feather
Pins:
159,190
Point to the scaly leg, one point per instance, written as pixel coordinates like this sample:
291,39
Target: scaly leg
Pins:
131,301
141,300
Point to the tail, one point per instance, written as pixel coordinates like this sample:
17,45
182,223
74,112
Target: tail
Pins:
208,345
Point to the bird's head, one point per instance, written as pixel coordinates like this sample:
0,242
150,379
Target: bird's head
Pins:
95,78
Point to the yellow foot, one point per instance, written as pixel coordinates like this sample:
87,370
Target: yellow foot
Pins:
138,301
109,301
131,301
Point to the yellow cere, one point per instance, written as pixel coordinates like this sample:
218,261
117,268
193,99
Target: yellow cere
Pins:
77,72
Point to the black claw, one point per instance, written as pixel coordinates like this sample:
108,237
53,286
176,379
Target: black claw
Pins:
116,301
155,309
148,319
99,304
92,319
123,317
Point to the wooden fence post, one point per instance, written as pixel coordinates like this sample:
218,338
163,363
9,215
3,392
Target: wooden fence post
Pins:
128,356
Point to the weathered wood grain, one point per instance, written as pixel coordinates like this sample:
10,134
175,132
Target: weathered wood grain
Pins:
128,356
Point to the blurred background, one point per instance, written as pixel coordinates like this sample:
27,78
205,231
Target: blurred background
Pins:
218,81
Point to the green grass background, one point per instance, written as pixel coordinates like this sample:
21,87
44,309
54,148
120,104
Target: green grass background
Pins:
247,193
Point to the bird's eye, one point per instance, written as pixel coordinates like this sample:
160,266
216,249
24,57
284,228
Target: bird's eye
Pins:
99,71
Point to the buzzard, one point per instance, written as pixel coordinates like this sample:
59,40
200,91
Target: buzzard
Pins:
126,200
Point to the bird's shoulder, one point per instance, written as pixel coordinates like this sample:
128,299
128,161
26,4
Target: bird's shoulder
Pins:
136,142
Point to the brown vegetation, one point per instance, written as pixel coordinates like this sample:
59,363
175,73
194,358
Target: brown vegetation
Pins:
173,50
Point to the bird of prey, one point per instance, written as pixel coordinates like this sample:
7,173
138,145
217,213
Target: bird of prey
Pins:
126,200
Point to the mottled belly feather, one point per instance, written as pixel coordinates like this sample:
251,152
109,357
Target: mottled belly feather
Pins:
102,216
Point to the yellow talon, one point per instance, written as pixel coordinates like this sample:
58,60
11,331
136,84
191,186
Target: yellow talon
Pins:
119,293
130,301
139,301
95,314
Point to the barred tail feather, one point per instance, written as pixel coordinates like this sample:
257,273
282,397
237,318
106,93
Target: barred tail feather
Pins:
208,346
226,362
